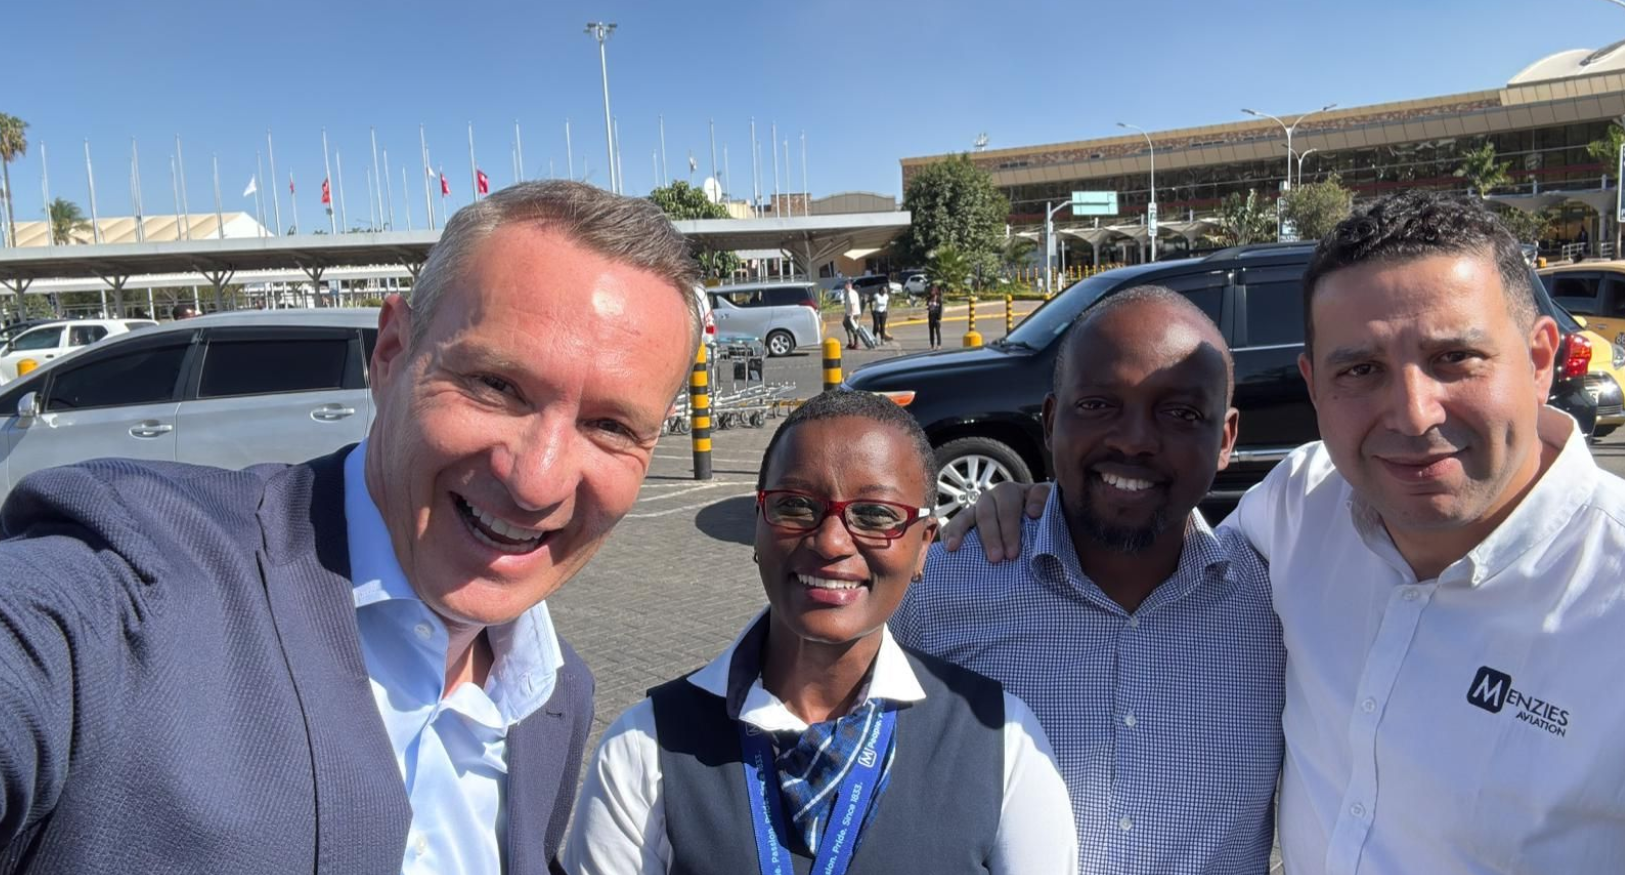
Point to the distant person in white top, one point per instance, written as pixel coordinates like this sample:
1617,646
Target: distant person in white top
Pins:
877,310
854,310
1448,565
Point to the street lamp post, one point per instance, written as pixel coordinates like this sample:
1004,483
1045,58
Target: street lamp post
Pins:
1302,155
1151,211
1289,129
601,31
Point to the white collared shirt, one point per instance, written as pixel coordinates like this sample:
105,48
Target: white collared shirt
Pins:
1465,724
620,820
451,750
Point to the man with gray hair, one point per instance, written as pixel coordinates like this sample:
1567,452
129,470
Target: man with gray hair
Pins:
347,665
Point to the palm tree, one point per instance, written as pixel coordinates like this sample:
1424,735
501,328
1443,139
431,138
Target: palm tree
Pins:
13,145
950,268
66,220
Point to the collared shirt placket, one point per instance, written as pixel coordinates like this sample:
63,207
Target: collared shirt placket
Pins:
1383,664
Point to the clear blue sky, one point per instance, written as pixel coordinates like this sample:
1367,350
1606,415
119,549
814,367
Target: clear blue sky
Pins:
869,81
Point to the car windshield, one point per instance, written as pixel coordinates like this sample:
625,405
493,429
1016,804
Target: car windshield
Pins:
1053,316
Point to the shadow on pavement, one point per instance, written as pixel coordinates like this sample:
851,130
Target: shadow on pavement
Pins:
731,520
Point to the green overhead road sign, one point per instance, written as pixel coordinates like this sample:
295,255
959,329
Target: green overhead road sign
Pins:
1094,203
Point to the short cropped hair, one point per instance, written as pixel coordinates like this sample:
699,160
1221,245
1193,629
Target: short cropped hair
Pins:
629,231
841,403
1130,297
1417,224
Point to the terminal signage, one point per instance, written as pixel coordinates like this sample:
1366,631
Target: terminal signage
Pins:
1151,219
1094,203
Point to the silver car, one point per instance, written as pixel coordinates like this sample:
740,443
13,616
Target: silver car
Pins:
230,390
783,315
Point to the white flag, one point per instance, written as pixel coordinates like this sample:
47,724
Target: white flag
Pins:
253,186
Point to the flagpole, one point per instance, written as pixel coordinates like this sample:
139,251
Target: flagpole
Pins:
140,196
389,192
90,175
806,193
755,173
327,185
473,168
664,176
713,124
789,210
569,153
186,203
175,189
428,202
773,148
519,149
601,31
655,156
406,194
377,185
293,202
135,191
276,193
443,187
259,205
513,155
45,189
373,217
618,169
344,214
219,216
727,180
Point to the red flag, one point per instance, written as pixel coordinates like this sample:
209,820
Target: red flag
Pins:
445,187
484,183
327,193
290,186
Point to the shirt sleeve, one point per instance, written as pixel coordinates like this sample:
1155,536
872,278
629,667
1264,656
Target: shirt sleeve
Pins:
1273,503
1037,834
620,820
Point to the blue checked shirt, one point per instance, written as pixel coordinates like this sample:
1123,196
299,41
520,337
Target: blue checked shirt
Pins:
1166,722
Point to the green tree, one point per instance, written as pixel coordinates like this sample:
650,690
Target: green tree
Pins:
66,220
1606,150
950,268
955,203
1527,227
1316,208
1245,219
13,145
1016,250
682,201
1482,172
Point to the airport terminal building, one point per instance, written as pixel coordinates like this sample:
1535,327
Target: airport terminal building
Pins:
1541,121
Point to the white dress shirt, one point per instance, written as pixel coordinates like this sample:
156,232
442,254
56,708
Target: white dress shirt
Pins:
620,819
1469,723
451,750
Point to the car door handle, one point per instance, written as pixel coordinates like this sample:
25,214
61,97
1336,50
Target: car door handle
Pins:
331,413
151,429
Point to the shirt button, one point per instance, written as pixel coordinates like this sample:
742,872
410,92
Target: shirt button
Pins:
1134,622
1368,705
424,631
1357,810
1130,721
1410,594
421,845
1126,823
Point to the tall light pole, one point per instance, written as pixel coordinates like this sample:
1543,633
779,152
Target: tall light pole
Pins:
1150,211
1289,129
1302,155
601,31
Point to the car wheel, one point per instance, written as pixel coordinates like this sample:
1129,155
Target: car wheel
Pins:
1603,431
780,343
968,467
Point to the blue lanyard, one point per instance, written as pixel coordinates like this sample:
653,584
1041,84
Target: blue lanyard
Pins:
851,800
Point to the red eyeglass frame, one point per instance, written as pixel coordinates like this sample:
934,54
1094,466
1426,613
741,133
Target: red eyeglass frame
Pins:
838,510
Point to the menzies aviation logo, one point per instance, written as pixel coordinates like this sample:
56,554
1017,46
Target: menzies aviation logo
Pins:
1492,690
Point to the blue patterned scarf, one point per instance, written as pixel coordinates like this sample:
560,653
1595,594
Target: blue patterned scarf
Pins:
812,766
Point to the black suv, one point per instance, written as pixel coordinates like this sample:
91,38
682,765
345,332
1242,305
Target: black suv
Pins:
981,407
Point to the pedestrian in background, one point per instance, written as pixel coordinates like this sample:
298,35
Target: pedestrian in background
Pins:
854,310
933,315
877,310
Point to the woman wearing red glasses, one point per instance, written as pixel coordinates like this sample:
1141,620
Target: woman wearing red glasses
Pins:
815,743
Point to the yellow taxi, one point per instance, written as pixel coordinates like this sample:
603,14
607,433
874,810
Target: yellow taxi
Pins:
1604,380
1594,291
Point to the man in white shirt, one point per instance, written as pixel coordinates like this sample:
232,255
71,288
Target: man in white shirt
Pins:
854,309
1448,565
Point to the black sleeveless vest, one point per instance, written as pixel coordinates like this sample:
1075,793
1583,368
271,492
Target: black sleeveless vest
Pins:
938,815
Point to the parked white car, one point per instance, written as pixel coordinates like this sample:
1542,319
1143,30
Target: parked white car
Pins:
55,339
783,316
916,284
231,390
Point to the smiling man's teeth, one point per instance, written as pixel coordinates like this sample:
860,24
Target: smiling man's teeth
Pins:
825,583
1127,484
502,528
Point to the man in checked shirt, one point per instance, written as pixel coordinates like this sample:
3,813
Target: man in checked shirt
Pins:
1143,641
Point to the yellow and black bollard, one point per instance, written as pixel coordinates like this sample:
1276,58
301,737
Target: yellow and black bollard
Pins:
699,404
832,364
1009,312
972,338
